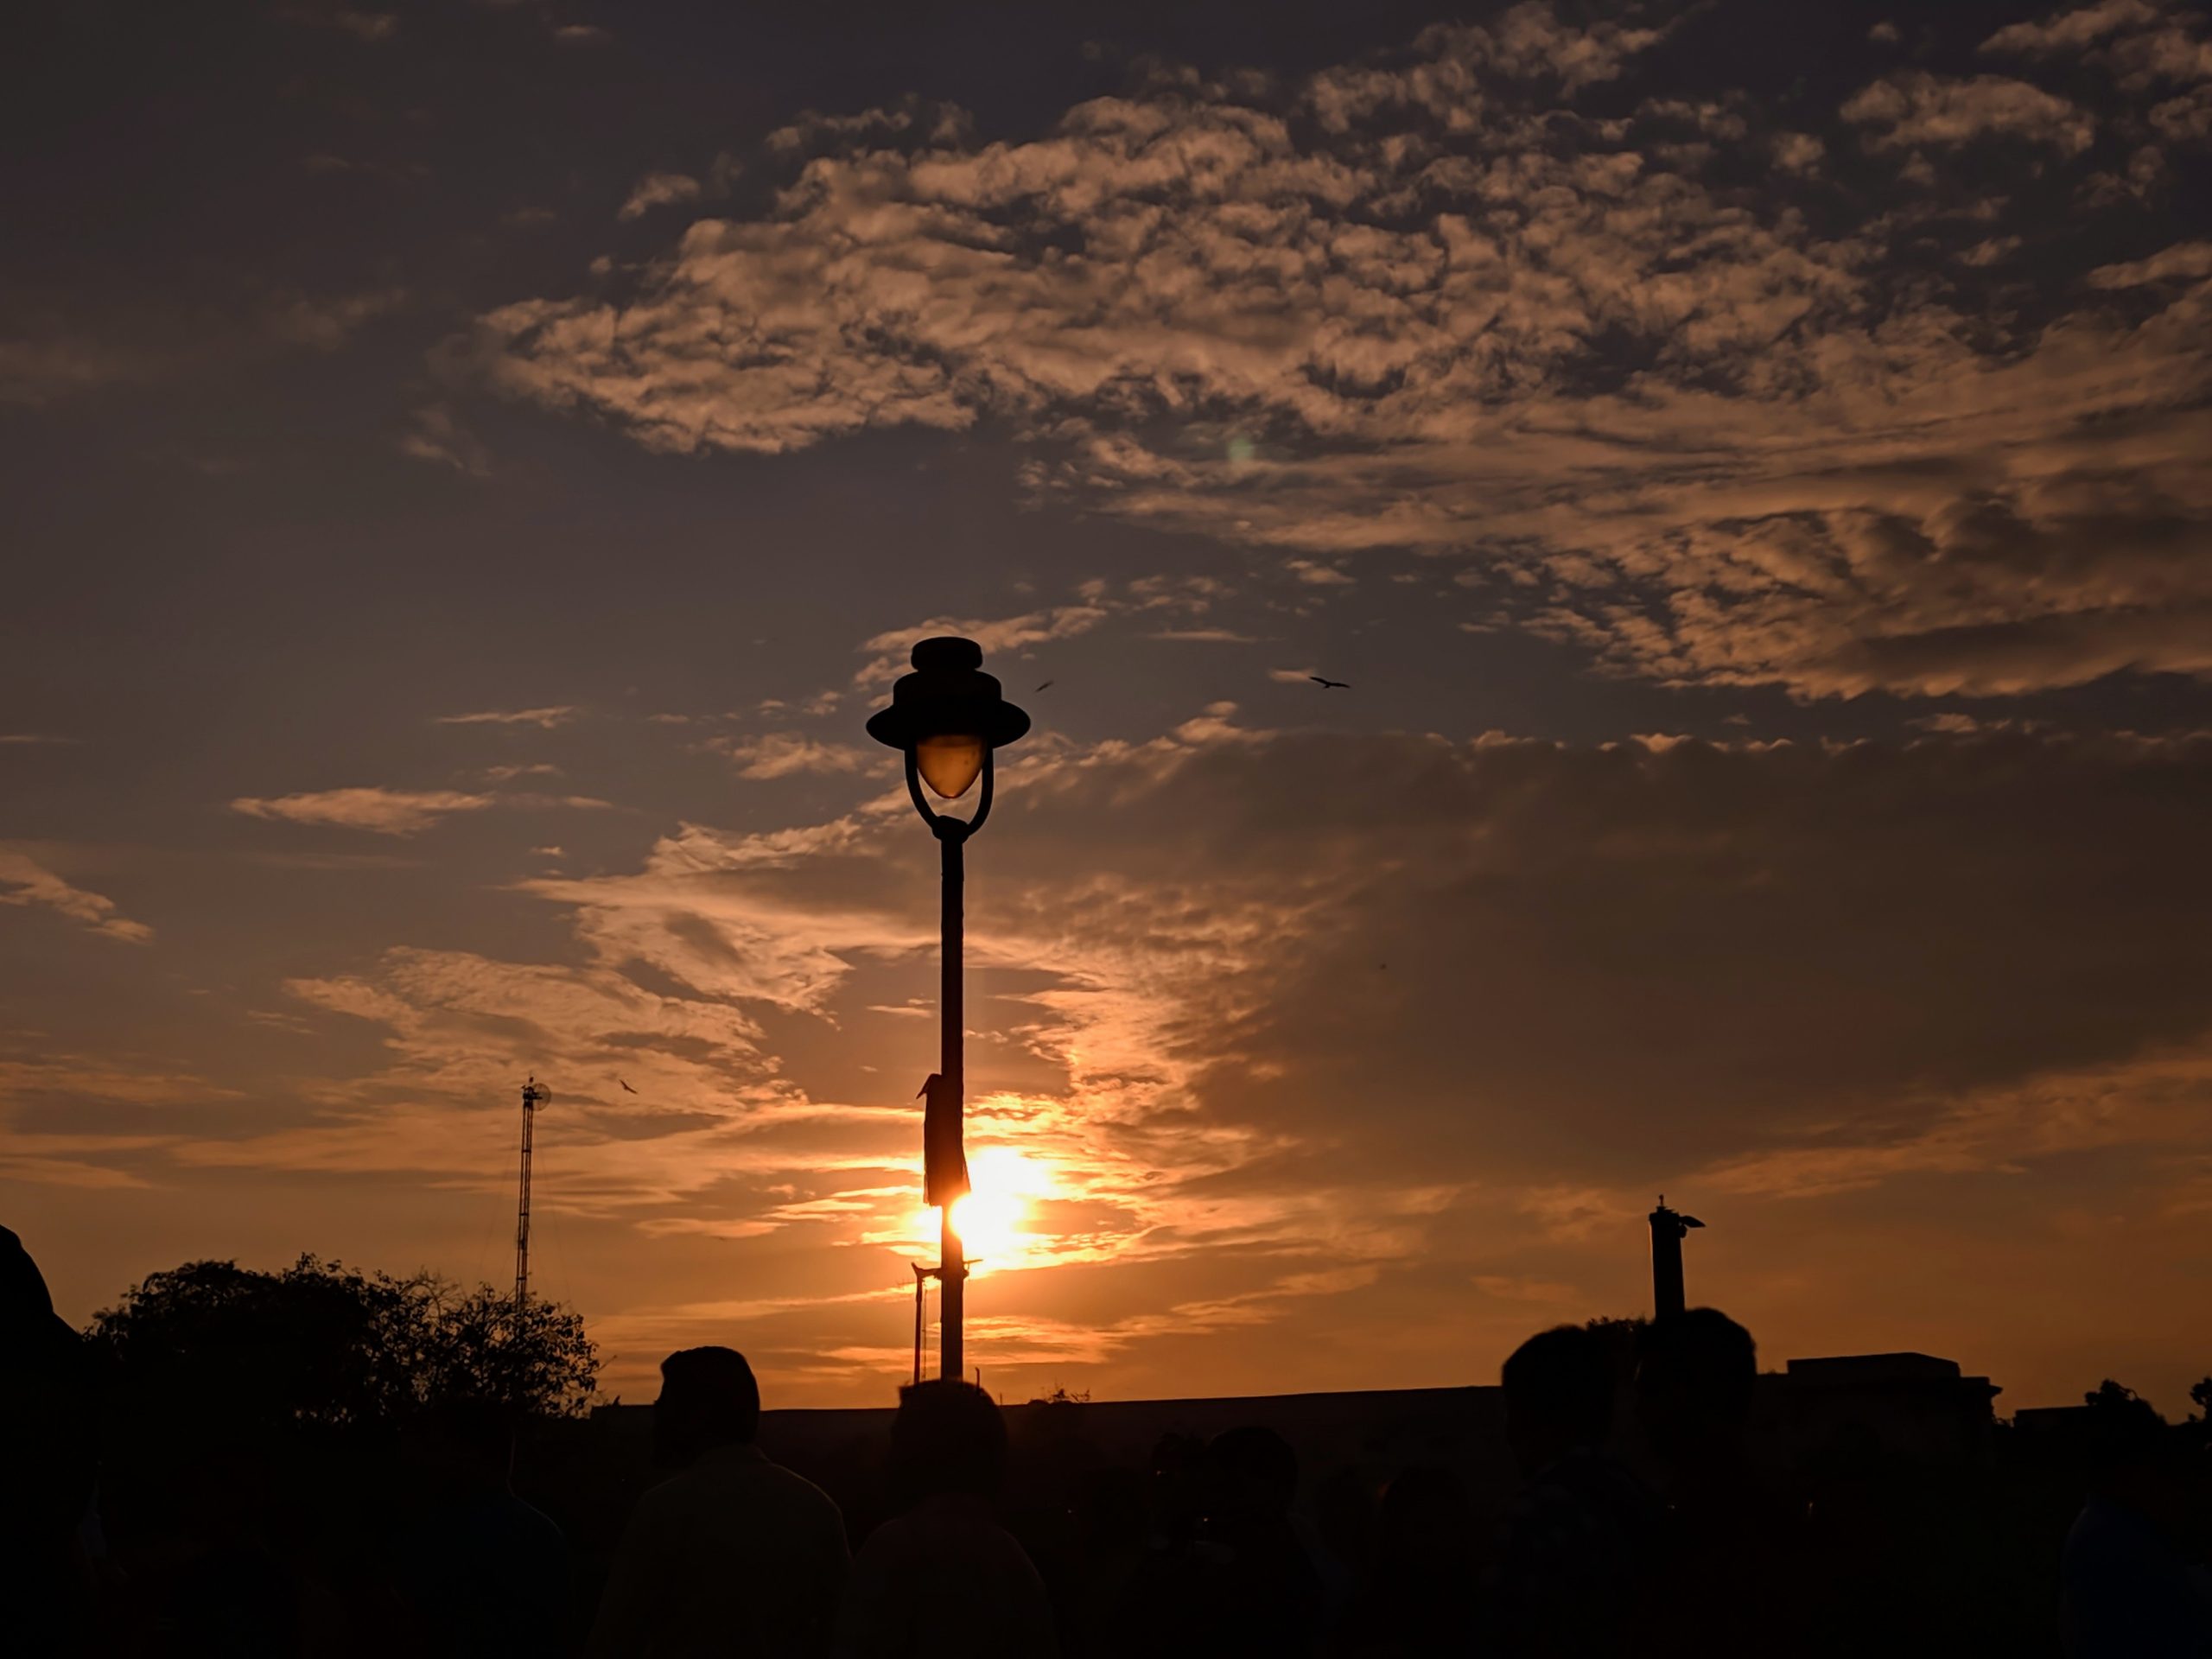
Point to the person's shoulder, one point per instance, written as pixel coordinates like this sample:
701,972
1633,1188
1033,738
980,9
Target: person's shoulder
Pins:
526,1518
796,1489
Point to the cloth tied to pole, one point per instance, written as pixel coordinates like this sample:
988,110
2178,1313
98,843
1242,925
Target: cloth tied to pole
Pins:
944,1161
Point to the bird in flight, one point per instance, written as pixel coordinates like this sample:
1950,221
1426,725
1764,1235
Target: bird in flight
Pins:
1048,686
1330,686
626,1089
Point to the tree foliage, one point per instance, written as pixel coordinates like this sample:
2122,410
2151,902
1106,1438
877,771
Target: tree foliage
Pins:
322,1345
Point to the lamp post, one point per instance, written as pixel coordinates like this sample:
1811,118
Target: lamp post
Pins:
948,718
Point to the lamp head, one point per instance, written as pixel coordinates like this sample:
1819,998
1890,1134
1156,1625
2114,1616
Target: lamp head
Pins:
949,714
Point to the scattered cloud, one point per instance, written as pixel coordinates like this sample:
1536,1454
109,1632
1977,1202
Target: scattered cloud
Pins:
546,719
435,434
324,324
888,653
328,14
35,372
659,190
384,811
1693,430
787,755
1915,107
25,881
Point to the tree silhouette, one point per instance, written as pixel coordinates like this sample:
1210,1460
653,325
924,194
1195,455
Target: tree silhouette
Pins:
2110,1399
2200,1395
326,1346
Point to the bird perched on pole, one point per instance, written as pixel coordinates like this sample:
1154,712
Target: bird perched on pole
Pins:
944,1164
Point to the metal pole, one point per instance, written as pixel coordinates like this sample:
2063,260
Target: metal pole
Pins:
529,1097
952,1262
921,1274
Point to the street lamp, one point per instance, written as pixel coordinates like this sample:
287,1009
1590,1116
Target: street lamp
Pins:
948,718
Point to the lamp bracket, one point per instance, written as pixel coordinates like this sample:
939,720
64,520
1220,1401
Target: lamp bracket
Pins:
944,825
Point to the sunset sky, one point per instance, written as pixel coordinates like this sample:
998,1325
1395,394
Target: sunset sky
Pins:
470,469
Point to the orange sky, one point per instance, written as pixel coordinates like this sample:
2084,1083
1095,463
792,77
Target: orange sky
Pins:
1748,462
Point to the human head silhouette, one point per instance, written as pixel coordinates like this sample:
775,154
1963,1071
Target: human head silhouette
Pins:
1254,1478
707,1398
1424,1517
1559,1395
1694,1377
948,1437
465,1446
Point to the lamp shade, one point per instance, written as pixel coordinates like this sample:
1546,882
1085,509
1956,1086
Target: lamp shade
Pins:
949,714
949,763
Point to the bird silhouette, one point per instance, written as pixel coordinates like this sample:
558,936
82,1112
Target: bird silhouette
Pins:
1048,686
626,1089
1330,686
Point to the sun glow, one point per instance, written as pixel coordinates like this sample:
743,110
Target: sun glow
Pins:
993,1220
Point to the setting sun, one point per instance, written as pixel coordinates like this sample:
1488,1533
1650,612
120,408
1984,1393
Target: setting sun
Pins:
992,1219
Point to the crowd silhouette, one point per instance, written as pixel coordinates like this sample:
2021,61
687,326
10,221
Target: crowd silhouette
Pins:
1644,1522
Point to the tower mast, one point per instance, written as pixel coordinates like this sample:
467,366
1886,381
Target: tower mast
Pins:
533,1096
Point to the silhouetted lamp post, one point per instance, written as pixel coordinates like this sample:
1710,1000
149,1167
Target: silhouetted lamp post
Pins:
948,718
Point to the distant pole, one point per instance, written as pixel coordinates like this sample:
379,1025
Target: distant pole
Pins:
1668,1230
532,1098
952,1260
921,1278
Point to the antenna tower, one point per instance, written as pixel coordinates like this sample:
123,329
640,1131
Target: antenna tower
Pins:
533,1096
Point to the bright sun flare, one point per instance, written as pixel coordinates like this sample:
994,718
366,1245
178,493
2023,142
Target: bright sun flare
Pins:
992,1219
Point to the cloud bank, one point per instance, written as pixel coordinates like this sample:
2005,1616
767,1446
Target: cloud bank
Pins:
1483,299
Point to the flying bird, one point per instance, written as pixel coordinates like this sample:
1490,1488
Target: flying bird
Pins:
1048,686
626,1089
1330,686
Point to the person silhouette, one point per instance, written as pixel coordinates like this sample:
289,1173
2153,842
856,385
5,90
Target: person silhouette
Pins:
944,1580
1416,1599
1576,1547
732,1554
48,1463
1730,1576
482,1573
2125,1573
1270,1591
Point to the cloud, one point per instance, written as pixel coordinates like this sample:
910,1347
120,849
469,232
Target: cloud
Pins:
37,372
1914,107
326,14
2070,31
31,739
1427,302
24,880
1455,924
435,434
1449,1017
324,324
659,190
2142,45
384,811
787,755
888,653
546,719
